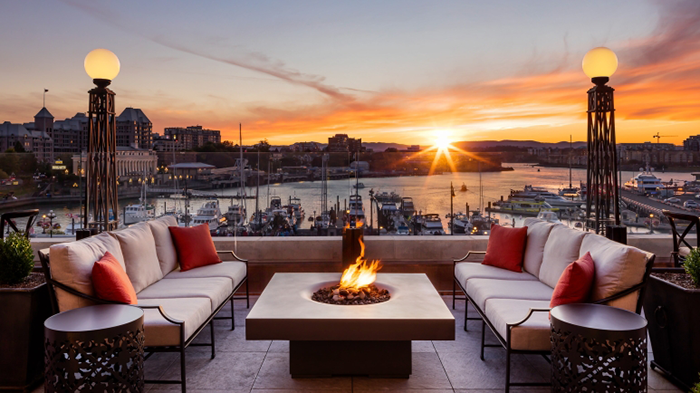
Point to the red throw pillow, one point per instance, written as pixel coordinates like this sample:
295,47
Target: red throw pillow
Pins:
194,247
111,282
506,248
575,283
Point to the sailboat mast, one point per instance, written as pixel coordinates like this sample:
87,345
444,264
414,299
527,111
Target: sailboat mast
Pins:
571,141
257,188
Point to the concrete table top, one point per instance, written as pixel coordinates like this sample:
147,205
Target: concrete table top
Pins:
285,311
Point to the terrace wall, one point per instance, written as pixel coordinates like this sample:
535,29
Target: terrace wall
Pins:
432,255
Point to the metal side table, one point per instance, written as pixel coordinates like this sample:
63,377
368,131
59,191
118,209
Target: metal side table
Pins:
96,348
597,348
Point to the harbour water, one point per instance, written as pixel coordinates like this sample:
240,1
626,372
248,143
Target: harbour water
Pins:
431,194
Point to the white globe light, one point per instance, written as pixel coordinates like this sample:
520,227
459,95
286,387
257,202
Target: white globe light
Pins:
102,64
599,62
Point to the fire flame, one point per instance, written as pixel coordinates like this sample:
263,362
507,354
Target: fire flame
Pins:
358,224
360,274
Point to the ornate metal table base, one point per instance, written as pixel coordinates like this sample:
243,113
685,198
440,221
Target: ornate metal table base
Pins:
587,359
105,360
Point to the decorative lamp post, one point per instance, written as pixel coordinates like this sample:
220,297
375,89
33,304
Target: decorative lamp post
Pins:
101,192
602,207
51,216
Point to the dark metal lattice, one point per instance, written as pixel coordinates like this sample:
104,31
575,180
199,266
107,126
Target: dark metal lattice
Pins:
101,208
111,364
586,364
602,205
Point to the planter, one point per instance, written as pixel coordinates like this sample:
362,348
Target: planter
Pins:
674,322
22,316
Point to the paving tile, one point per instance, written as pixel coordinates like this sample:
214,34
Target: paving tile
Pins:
156,365
274,374
228,340
467,371
279,346
422,346
657,381
229,371
428,373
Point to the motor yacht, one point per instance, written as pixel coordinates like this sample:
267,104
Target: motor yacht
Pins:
209,214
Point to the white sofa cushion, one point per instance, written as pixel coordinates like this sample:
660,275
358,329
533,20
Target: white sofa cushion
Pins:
236,271
465,271
481,290
562,248
537,234
167,256
159,332
216,289
617,267
140,257
532,335
71,264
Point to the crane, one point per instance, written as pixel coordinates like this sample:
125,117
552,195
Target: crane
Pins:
658,137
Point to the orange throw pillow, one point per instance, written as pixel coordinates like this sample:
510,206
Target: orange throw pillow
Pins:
575,283
194,247
506,248
111,282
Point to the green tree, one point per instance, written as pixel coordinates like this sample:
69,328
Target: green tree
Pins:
9,162
18,147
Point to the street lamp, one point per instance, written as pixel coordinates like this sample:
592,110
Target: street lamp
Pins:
51,216
101,192
599,64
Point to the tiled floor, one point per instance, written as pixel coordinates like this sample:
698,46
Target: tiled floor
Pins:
439,366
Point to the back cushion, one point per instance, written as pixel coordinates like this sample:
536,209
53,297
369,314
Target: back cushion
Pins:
71,264
562,247
140,256
167,257
617,267
537,234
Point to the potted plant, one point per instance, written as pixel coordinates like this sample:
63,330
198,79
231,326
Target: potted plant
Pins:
670,306
24,306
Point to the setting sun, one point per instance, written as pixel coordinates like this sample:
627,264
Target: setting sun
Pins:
442,139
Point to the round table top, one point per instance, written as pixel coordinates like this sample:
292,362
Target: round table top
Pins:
599,317
93,318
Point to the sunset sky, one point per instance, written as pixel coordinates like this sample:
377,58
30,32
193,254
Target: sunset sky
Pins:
385,71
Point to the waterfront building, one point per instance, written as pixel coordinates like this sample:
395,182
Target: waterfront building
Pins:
192,137
164,143
134,129
131,162
413,148
341,143
70,135
37,142
692,143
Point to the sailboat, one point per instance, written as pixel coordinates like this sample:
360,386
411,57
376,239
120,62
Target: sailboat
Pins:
236,214
571,191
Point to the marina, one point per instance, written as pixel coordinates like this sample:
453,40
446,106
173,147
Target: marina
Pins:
297,208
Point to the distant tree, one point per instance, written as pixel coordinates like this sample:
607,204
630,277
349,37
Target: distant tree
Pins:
9,162
18,147
263,146
391,150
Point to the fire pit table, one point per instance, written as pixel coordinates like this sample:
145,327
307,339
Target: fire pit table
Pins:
332,339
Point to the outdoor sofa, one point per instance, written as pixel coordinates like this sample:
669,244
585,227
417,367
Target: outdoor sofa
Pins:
515,306
177,305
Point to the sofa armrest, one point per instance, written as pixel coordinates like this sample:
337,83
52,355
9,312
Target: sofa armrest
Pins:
163,313
529,314
79,294
469,253
233,254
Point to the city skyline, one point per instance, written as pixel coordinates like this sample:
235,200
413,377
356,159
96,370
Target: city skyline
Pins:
389,72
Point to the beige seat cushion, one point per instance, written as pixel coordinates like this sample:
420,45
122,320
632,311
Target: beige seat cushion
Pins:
537,234
617,267
683,251
167,256
215,289
159,332
71,264
562,248
236,271
140,257
481,290
465,271
532,335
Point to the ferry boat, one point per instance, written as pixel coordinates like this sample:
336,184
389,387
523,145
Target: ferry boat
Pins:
407,207
138,213
355,208
431,225
645,182
209,214
540,194
523,207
